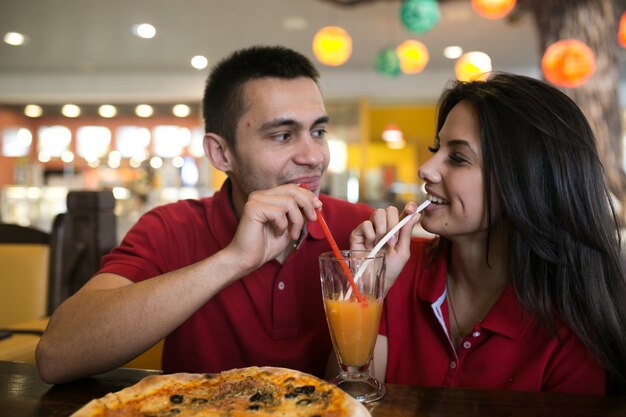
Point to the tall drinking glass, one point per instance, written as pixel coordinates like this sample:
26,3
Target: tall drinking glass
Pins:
353,325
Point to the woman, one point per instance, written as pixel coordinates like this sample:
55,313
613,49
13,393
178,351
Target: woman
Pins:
523,287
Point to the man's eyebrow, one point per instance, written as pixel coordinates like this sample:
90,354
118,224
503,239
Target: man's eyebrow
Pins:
279,122
322,120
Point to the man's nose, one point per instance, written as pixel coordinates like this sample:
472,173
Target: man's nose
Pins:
310,151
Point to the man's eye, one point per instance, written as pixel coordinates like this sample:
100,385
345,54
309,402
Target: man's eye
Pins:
319,133
282,137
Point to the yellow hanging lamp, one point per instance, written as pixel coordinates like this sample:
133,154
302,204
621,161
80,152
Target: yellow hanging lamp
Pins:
413,56
473,66
332,46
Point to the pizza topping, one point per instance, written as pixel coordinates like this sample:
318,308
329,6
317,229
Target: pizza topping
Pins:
306,389
199,400
177,398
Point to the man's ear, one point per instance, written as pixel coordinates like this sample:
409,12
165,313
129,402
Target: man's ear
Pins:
218,152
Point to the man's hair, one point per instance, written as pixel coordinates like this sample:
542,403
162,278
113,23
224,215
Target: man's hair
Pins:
224,102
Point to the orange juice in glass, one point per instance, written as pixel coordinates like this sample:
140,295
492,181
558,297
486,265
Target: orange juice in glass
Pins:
353,323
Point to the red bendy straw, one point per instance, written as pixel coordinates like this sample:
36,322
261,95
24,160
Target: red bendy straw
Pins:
337,252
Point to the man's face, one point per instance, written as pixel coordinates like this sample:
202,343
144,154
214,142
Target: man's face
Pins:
280,137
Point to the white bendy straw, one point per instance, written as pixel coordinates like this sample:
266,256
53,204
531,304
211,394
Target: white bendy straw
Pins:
382,243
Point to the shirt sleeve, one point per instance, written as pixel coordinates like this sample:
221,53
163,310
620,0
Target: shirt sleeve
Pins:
137,257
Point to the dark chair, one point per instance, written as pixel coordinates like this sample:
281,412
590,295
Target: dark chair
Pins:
80,237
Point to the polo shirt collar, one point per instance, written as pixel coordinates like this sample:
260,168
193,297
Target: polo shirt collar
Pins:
507,316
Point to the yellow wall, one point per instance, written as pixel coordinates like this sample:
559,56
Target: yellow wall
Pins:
416,122
418,125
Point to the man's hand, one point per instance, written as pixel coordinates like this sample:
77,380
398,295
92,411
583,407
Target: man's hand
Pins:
270,221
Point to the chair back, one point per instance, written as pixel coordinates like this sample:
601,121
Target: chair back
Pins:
80,237
24,257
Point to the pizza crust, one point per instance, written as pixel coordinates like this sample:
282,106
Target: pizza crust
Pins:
145,388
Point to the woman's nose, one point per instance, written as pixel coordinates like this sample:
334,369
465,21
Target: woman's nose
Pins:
428,172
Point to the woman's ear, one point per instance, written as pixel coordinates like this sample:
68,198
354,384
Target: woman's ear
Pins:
218,152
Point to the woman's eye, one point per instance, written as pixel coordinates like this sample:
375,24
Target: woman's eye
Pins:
456,158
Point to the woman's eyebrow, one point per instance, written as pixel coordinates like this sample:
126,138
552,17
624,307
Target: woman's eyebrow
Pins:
461,142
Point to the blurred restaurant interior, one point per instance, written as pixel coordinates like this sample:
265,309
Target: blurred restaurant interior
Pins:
87,103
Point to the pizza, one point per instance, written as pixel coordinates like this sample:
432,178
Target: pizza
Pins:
254,391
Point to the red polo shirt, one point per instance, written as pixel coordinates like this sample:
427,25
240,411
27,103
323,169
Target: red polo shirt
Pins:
508,349
274,316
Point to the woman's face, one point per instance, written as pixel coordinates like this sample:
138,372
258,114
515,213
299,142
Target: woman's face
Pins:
454,178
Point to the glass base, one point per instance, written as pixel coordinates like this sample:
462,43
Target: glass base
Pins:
364,390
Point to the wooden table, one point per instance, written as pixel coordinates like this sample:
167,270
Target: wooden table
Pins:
23,394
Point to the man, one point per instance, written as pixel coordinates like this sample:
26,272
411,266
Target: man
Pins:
232,280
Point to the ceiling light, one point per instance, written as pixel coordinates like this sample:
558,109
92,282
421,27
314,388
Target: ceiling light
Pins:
156,162
144,30
33,110
107,111
177,161
67,156
144,110
43,156
392,133
181,110
14,38
452,52
199,62
70,110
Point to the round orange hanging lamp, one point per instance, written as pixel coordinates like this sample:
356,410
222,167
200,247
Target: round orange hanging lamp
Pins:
413,56
332,46
493,9
568,63
621,34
